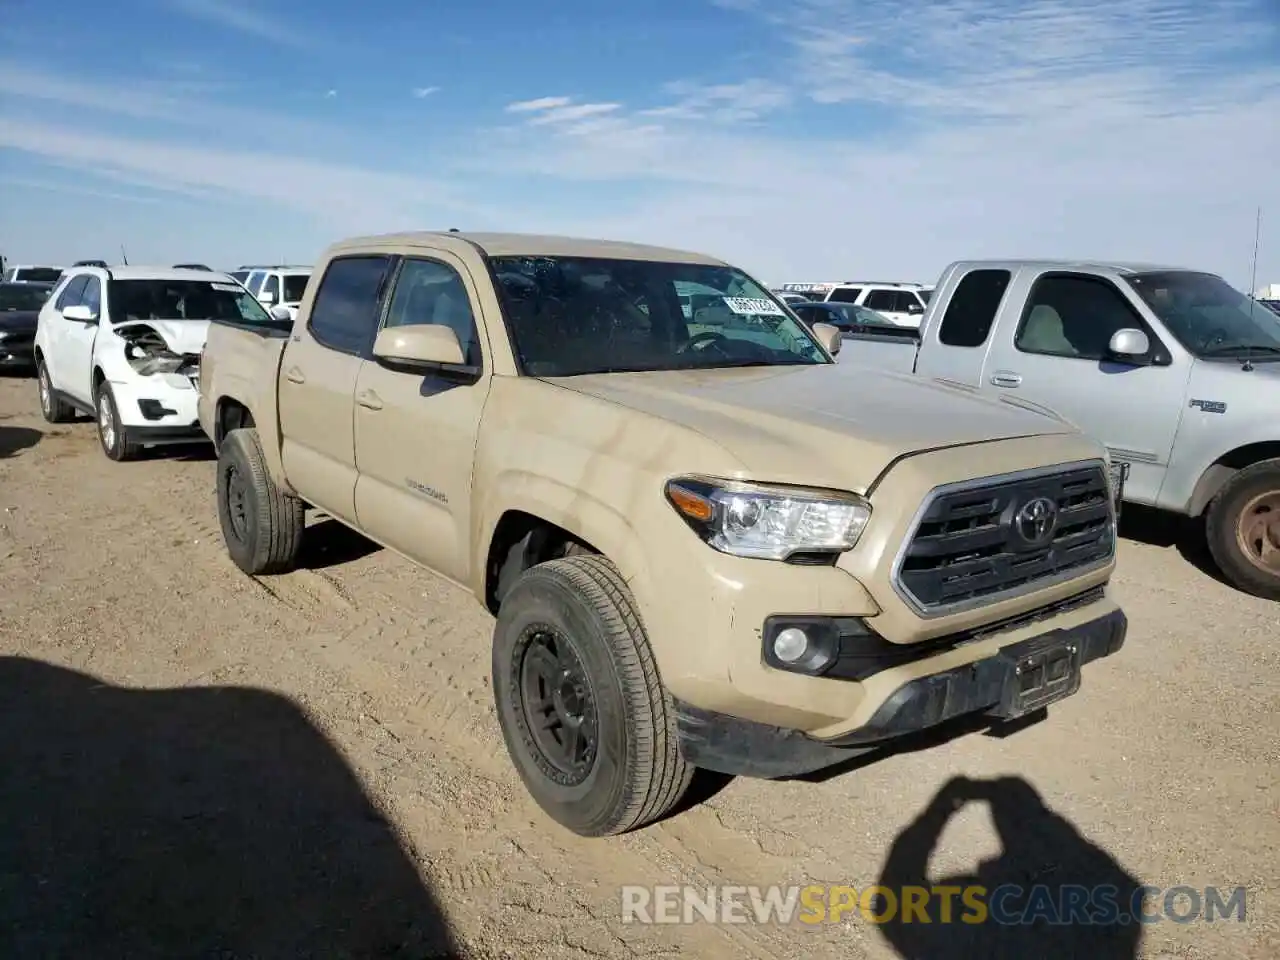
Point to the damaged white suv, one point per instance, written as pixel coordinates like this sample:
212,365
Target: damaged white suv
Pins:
123,344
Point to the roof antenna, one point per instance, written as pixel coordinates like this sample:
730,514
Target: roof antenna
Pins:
124,256
1253,279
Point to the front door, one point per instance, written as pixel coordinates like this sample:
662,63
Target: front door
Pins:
80,338
318,382
1058,356
416,435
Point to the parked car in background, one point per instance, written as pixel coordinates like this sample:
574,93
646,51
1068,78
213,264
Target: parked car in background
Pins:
1273,305
123,345
902,303
20,305
789,298
1174,370
704,543
851,319
31,273
192,266
90,263
278,285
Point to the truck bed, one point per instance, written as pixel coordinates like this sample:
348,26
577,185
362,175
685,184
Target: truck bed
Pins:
896,353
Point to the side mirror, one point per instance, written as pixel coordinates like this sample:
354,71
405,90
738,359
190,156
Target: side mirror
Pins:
1129,343
830,336
266,297
914,308
79,313
280,312
419,346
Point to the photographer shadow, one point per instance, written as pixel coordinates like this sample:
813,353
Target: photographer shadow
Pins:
1050,894
192,822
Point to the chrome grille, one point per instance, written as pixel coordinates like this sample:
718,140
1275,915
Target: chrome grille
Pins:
985,540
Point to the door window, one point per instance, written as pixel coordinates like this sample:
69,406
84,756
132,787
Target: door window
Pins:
428,291
345,312
972,309
845,294
92,295
1071,315
885,301
71,293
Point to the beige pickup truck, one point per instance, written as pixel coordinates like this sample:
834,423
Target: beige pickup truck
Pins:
705,542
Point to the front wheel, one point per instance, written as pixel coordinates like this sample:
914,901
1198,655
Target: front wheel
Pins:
582,709
112,434
1243,529
261,525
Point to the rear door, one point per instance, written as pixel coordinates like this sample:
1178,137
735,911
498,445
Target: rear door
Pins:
954,345
58,348
317,382
1051,348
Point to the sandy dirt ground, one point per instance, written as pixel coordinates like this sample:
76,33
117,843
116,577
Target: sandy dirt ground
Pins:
195,763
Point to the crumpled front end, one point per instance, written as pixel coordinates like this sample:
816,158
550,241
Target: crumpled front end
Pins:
157,395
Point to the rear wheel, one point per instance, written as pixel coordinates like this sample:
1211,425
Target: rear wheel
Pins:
1243,529
582,709
261,525
52,407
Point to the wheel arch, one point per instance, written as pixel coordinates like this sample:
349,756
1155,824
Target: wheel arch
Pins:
1217,474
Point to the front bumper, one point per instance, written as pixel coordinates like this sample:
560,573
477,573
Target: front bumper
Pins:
161,408
994,686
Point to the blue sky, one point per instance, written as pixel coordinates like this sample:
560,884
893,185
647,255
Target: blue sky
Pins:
802,139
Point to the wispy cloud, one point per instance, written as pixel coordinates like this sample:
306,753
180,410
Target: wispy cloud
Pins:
542,103
952,128
52,186
251,21
330,94
421,93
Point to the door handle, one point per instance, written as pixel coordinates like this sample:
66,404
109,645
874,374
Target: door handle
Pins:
294,375
1005,379
369,400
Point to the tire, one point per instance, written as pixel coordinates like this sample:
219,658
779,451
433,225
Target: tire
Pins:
52,407
112,434
634,774
1252,493
261,525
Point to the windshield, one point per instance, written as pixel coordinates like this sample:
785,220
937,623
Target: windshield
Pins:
21,296
295,284
1208,316
925,295
184,300
570,316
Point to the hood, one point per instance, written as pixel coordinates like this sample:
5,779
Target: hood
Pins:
181,336
24,320
827,424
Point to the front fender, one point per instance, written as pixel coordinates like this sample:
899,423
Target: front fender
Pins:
580,513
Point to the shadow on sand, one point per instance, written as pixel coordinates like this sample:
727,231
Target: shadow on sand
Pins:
204,822
1045,866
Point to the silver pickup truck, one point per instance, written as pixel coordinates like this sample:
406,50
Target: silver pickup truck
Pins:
1174,370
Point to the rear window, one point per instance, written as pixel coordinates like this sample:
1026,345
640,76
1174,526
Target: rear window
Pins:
972,309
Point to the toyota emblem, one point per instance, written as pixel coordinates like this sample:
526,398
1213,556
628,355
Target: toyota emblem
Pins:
1036,520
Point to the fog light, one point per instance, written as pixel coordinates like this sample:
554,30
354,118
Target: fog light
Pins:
790,644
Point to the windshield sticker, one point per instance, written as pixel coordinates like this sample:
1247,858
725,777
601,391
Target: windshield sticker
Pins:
228,287
751,307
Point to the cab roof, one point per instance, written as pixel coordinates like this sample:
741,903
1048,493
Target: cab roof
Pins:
527,245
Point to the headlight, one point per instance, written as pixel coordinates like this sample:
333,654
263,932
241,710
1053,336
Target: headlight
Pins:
768,522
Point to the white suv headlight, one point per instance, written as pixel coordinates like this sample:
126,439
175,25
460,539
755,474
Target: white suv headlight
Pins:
767,521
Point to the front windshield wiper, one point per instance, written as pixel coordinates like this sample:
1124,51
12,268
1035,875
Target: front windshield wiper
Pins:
1242,351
